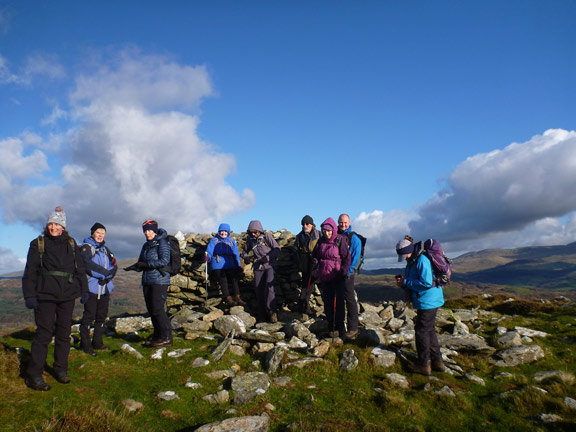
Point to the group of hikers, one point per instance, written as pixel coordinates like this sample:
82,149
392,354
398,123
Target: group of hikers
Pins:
58,271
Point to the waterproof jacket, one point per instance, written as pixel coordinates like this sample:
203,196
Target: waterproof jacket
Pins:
156,254
333,255
223,251
419,279
59,256
355,248
262,246
304,245
99,268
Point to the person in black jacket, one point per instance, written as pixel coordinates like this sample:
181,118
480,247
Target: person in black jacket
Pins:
53,278
155,255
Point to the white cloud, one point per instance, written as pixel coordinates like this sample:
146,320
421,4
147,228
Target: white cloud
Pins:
523,195
43,65
131,155
9,262
505,190
17,166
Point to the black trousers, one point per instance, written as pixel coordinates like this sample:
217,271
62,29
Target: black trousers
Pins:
351,304
95,310
426,339
155,298
222,276
52,318
333,298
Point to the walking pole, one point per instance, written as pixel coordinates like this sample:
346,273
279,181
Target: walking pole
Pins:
206,280
334,318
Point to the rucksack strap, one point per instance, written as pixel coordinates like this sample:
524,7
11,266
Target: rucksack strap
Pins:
41,250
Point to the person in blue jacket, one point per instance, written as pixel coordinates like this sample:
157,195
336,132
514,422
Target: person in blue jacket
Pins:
355,244
101,268
426,298
224,260
154,256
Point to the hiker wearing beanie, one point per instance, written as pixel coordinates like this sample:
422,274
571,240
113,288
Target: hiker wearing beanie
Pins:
304,245
154,255
355,244
101,268
427,298
53,278
332,262
224,259
262,250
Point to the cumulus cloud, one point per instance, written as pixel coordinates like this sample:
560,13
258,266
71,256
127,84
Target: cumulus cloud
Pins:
522,195
132,153
9,261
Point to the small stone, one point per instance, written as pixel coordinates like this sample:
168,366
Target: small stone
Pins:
157,355
179,352
132,405
167,395
445,391
200,362
193,385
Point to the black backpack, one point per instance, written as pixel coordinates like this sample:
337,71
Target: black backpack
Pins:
363,243
173,267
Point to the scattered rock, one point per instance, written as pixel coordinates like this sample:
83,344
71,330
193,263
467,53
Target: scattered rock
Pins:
248,386
238,424
517,355
348,361
132,405
167,395
131,350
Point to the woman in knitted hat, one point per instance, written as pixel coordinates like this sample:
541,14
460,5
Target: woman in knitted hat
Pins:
155,255
427,298
101,268
53,278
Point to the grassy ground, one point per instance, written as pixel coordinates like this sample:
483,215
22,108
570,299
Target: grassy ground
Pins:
320,398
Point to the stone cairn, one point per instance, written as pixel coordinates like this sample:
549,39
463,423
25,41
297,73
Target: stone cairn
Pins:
188,289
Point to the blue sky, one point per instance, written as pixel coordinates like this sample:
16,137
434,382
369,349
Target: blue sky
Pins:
444,119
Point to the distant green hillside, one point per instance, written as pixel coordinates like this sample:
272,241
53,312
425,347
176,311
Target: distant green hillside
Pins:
539,268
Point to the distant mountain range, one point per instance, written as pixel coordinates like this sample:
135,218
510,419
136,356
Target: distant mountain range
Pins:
541,267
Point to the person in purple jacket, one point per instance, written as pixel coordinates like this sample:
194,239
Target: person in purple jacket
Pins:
332,255
262,250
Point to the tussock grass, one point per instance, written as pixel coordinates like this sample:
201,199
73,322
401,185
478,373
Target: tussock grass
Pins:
320,397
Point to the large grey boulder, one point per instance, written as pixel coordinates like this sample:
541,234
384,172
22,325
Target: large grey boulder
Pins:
383,357
515,356
471,342
226,323
238,424
248,386
509,339
125,325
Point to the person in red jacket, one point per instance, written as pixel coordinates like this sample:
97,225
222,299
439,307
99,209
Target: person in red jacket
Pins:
53,279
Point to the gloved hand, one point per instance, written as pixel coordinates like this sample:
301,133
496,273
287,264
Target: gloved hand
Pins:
133,267
141,265
112,273
84,297
246,260
314,263
264,260
31,302
206,258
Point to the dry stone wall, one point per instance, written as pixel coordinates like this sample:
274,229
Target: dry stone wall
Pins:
189,288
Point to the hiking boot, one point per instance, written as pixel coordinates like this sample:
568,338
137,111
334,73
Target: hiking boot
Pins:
351,335
273,317
161,343
37,384
438,366
89,351
229,301
239,301
422,369
102,348
62,377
